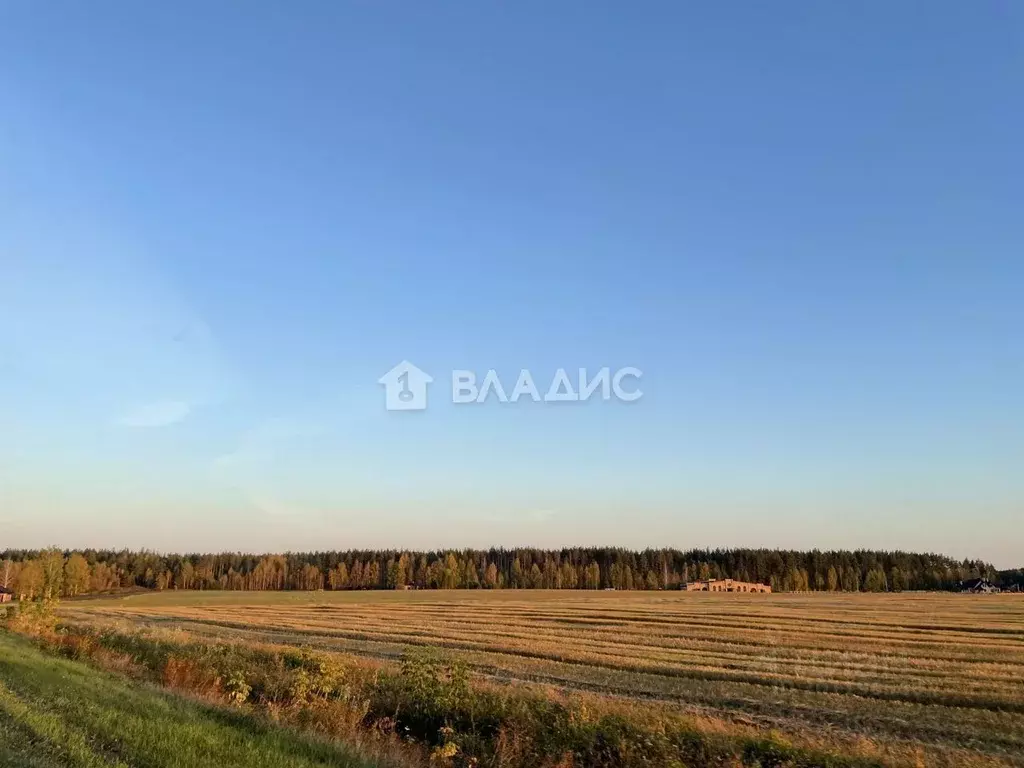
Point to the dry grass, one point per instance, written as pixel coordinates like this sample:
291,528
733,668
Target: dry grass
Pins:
931,678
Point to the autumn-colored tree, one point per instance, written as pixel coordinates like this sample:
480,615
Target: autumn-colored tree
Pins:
76,575
491,576
471,579
8,571
371,575
875,581
355,575
517,581
403,571
435,575
851,580
338,577
185,575
551,578
452,573
103,578
567,575
593,576
29,582
52,564
536,577
205,574
311,579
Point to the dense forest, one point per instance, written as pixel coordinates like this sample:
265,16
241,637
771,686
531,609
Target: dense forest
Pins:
53,573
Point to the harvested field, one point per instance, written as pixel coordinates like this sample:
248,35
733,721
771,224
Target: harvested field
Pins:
943,674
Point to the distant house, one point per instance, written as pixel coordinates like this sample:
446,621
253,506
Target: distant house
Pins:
6,595
978,586
724,585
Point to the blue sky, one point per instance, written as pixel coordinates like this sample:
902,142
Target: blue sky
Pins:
221,223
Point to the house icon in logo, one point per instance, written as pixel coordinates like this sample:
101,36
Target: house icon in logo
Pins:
405,387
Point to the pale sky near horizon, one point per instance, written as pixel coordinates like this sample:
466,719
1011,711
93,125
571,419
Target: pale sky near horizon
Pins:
220,224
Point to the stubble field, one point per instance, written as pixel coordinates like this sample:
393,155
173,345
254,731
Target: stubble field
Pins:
934,675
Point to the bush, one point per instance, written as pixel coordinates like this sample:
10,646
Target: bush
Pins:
238,690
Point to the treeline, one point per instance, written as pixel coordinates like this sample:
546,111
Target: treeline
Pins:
55,573
1011,579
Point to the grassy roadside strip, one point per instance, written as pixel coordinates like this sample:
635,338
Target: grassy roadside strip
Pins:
58,712
50,732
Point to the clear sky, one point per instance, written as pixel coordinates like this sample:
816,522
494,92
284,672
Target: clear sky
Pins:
221,223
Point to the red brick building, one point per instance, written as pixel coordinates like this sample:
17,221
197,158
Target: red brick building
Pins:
725,585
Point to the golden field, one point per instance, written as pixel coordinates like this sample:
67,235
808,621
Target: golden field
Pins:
934,678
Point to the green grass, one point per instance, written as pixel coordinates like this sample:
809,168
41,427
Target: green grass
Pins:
55,712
